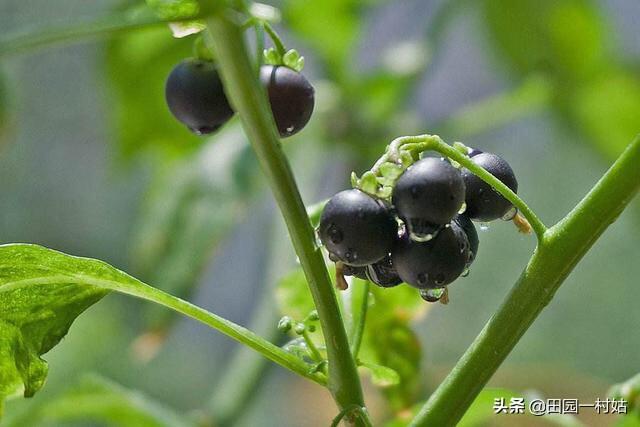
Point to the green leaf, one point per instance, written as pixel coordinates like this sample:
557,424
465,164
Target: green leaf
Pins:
137,66
628,390
381,376
398,348
99,400
607,110
368,183
42,292
174,9
293,295
565,38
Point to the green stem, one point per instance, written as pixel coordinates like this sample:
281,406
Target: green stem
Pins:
313,349
422,143
561,248
275,38
249,99
360,304
26,41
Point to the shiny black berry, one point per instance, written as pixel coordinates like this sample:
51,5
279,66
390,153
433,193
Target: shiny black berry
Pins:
291,97
359,272
195,96
472,235
435,263
428,195
383,273
357,229
483,202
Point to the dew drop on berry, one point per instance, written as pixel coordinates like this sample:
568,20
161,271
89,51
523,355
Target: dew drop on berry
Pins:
439,280
510,214
465,273
351,256
463,208
432,295
419,237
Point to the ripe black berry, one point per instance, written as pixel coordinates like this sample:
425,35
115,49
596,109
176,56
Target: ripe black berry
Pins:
472,235
428,194
291,97
359,272
357,229
383,273
435,263
195,96
483,202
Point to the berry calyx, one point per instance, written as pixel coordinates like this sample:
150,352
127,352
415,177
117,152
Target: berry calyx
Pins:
483,202
195,96
291,97
357,229
428,195
435,263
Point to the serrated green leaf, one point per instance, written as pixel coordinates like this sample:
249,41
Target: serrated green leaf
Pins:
98,400
354,179
381,376
391,170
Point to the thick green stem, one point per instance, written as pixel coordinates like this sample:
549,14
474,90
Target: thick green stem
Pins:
248,98
558,252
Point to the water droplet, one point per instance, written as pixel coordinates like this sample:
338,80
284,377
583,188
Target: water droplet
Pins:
439,279
463,208
466,272
511,213
484,226
423,278
432,295
335,235
290,129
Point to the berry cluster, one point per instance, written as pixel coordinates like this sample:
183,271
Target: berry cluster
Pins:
195,96
424,235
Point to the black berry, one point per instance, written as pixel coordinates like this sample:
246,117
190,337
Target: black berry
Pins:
291,97
383,273
472,235
428,195
483,202
195,96
357,229
359,272
435,263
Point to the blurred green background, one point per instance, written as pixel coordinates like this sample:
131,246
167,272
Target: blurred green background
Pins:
92,164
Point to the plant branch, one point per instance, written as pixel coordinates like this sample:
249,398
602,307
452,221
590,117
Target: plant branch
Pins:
421,143
561,248
249,99
26,41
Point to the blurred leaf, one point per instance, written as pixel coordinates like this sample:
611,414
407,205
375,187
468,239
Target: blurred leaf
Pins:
565,38
102,401
174,9
41,292
4,104
137,65
632,419
381,375
329,26
398,348
628,390
607,110
293,295
190,209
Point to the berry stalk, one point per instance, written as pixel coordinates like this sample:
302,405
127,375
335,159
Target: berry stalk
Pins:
250,101
559,251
